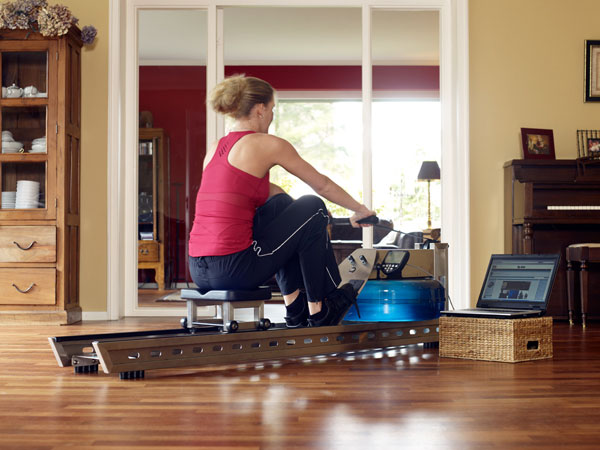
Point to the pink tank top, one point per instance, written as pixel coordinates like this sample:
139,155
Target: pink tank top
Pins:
226,204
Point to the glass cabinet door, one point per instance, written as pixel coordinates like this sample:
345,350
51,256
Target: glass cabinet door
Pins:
147,190
27,167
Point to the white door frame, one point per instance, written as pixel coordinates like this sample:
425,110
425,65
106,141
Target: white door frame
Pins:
123,130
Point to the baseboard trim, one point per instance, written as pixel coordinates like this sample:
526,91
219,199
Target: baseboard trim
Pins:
94,315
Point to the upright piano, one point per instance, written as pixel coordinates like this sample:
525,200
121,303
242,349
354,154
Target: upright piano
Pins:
548,205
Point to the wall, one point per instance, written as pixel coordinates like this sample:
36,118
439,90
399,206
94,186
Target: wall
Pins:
94,130
526,70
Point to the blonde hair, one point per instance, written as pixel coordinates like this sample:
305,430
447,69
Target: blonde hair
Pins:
236,96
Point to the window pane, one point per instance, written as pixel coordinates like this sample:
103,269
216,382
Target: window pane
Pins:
25,70
406,125
172,49
298,51
405,133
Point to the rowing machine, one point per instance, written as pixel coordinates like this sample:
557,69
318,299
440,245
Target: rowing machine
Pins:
131,354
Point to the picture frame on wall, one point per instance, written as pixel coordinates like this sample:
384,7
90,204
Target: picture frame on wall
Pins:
538,143
592,70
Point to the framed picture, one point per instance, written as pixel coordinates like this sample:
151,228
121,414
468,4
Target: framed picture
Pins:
537,143
588,144
592,71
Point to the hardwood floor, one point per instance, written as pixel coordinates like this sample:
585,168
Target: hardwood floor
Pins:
154,298
401,398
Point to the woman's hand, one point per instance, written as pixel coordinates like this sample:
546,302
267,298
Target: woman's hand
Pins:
361,214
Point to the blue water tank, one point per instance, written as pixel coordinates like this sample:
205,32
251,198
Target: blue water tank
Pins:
399,301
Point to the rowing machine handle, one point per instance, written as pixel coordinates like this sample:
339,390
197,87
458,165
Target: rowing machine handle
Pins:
372,220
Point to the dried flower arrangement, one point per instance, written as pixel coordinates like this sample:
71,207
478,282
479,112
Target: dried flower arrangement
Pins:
37,15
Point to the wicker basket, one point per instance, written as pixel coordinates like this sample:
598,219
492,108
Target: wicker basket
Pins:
507,340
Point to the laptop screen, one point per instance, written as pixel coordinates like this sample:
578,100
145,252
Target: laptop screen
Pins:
518,281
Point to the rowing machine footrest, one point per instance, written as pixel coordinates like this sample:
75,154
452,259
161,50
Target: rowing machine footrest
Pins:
227,301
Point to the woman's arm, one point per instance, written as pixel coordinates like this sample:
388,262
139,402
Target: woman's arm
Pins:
280,152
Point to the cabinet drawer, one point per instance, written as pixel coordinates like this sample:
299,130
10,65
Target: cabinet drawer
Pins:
27,244
28,286
147,251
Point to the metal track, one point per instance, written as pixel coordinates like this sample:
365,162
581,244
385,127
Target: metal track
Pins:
134,353
67,347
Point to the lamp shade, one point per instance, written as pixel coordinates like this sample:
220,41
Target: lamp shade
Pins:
429,171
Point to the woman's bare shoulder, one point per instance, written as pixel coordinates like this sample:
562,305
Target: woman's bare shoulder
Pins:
262,136
265,139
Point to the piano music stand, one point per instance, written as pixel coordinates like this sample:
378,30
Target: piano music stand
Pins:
582,253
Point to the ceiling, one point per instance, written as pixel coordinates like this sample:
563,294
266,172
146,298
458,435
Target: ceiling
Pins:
289,36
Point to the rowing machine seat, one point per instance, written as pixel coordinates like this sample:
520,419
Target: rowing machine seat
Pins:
227,301
260,293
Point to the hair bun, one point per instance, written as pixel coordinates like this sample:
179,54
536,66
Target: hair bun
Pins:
236,96
228,94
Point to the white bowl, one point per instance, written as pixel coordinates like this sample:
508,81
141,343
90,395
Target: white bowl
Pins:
14,145
31,182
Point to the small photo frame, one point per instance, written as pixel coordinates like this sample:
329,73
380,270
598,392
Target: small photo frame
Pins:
592,71
537,143
588,144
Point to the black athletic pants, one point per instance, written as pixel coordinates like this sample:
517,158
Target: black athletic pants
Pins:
290,241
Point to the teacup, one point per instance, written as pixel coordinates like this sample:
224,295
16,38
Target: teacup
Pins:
14,91
30,91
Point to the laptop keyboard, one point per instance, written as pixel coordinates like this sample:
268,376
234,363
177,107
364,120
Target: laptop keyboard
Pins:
503,310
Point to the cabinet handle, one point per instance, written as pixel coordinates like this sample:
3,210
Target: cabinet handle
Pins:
24,291
144,251
25,248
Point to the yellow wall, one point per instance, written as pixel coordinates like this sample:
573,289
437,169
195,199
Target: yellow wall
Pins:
94,138
526,70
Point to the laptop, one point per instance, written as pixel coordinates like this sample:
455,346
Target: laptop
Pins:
515,286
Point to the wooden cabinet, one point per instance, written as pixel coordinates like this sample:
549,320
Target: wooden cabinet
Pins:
153,183
40,119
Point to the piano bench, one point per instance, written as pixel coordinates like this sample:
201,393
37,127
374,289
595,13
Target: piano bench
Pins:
227,301
581,253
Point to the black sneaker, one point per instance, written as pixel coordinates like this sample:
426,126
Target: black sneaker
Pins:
337,304
299,319
350,294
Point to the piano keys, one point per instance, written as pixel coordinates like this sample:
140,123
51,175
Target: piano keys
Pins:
573,207
548,205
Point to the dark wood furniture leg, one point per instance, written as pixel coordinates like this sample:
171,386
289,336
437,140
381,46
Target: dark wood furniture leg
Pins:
583,254
571,287
583,285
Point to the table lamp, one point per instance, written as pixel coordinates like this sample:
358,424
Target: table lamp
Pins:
429,171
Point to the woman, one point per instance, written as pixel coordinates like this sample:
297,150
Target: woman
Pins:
246,229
